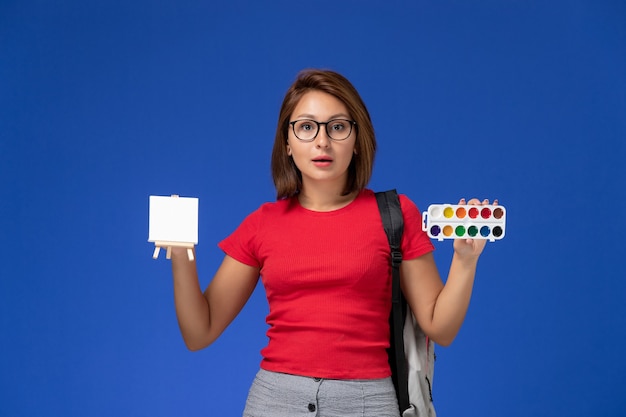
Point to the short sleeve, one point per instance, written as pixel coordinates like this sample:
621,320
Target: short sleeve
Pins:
415,241
242,244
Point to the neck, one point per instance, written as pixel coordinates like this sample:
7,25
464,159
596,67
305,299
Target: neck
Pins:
320,199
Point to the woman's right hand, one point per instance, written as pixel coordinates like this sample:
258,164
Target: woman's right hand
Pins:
202,317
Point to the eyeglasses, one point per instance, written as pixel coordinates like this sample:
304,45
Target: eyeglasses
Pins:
306,130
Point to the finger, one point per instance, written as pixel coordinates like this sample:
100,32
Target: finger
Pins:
462,201
474,201
495,202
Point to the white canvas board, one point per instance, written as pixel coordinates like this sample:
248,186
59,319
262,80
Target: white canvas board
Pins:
173,219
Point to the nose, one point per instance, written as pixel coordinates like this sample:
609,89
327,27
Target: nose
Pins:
322,140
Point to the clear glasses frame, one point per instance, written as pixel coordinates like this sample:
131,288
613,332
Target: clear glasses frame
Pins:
333,134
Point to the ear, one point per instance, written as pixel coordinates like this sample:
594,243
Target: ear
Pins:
288,150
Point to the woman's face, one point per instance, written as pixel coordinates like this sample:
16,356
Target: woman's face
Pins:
322,160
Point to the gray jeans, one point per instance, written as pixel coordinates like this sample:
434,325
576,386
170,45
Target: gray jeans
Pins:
281,395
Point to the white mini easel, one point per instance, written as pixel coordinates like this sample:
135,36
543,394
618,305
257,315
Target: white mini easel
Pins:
173,223
169,246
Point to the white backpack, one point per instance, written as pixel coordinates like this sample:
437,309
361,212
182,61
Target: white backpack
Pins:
419,352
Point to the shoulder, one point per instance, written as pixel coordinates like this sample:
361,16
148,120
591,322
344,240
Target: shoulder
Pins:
270,207
264,217
407,205
269,211
410,212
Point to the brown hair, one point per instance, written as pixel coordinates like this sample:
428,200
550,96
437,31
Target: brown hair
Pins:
287,177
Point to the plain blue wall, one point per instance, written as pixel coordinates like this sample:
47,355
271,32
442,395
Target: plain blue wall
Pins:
105,103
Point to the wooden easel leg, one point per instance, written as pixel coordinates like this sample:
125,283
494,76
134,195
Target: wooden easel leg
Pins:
190,254
156,252
169,253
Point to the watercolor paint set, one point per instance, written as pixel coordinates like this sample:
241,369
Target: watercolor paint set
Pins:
455,221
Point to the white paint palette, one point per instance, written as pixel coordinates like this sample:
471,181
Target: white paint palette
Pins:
464,221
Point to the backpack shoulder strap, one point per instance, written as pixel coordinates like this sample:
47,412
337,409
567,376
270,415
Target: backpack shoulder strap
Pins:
393,223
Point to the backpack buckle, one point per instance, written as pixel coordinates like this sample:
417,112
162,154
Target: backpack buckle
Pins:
396,257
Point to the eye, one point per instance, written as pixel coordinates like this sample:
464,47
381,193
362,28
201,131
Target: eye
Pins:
305,126
338,125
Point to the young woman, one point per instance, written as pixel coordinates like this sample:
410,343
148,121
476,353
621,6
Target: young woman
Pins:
323,257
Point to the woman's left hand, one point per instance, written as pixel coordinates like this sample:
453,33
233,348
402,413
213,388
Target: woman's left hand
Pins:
471,248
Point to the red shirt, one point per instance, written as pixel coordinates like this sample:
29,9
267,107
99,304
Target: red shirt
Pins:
327,278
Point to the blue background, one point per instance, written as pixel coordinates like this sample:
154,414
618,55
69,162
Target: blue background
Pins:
105,103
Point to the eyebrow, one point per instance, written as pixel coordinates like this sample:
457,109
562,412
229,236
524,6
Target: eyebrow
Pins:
311,117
